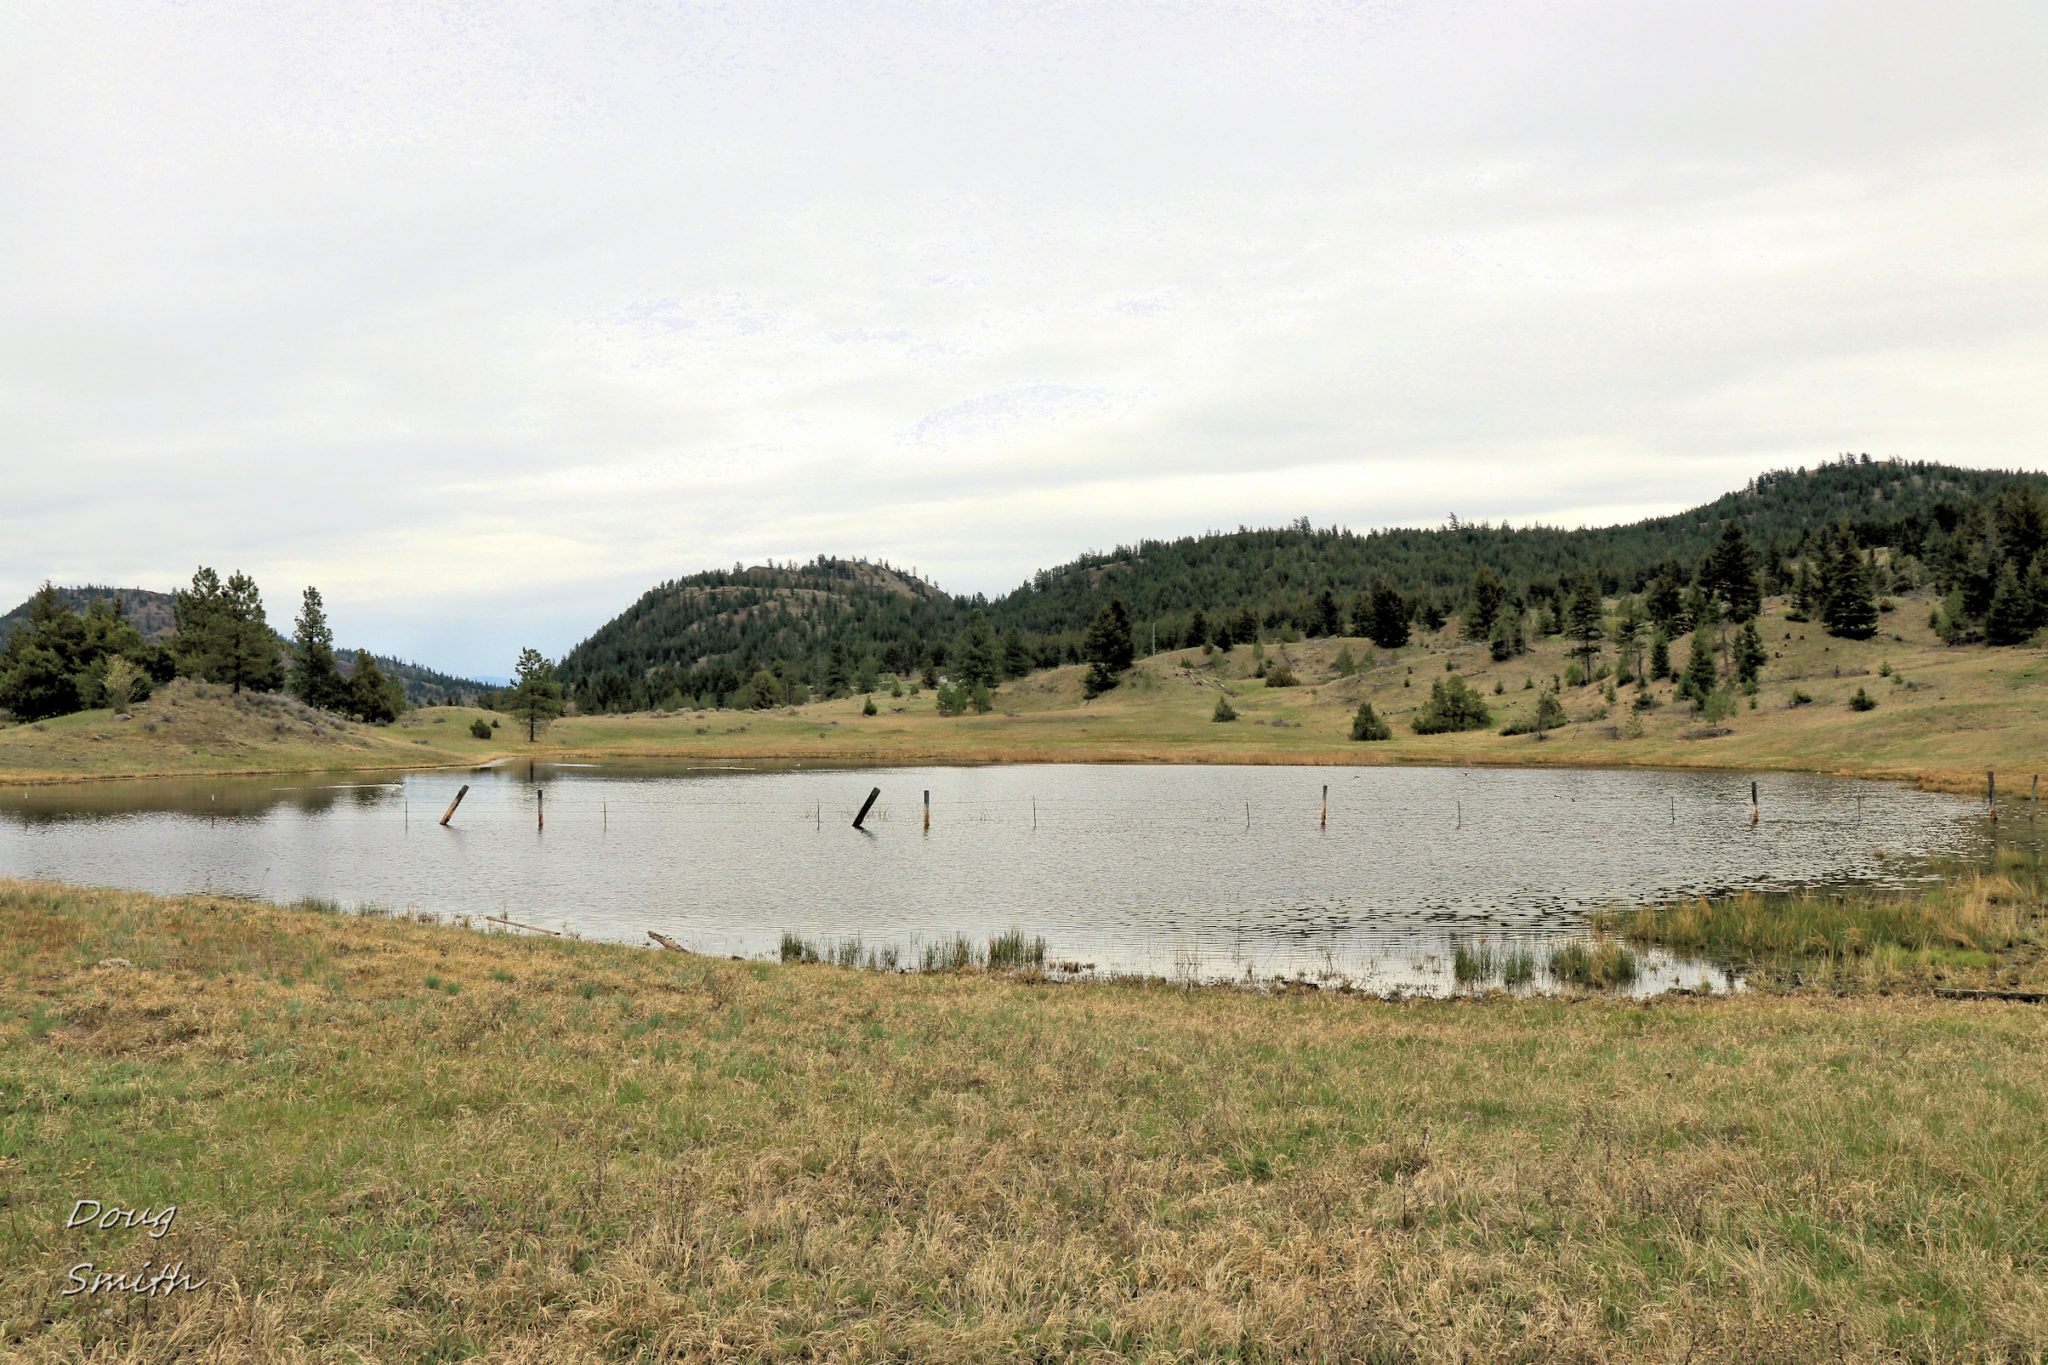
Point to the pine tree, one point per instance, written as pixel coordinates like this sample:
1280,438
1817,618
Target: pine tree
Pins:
1108,639
1451,706
1329,621
1850,610
1585,624
838,672
222,634
536,698
1750,655
975,654
1367,726
1016,658
372,697
1388,627
1486,596
1730,574
1701,677
1198,630
315,680
1345,665
1224,710
2010,619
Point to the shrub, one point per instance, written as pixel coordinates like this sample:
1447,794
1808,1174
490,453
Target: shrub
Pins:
1452,706
1281,674
480,728
868,708
1224,710
1367,725
1862,701
1800,698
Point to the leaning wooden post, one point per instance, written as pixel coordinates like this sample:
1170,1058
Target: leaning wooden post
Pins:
1754,814
927,811
1326,805
449,814
866,806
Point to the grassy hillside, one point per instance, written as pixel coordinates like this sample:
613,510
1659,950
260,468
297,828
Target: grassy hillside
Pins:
200,728
394,1141
1944,714
705,634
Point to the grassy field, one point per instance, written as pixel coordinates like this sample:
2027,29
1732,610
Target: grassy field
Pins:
395,1141
1943,717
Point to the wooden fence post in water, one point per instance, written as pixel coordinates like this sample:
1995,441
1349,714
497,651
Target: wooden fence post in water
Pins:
1754,814
540,809
866,806
2034,802
1326,805
449,814
927,811
1991,792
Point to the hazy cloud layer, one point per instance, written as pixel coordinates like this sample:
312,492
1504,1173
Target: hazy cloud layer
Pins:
485,317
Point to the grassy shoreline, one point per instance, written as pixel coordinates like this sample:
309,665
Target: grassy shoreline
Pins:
395,1140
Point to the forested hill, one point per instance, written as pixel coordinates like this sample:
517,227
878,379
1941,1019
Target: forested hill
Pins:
1885,503
702,637
150,613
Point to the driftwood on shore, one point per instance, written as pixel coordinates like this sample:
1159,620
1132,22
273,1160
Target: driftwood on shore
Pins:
666,942
2024,997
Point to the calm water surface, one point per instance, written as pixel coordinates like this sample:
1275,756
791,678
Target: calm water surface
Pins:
1211,872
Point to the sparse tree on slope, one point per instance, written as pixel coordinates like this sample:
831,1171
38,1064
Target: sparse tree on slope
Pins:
535,697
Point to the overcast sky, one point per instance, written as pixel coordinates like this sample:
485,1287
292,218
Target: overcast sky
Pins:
485,317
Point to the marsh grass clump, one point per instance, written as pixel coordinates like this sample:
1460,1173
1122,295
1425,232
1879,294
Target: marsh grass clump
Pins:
1601,965
847,952
1472,963
954,954
1518,968
796,948
1013,950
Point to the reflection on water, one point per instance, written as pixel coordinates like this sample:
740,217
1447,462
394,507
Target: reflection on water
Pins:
1200,872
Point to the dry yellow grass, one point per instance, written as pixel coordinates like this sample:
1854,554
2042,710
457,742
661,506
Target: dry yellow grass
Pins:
394,1141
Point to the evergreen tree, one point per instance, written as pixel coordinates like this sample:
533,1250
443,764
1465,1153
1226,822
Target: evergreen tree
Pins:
1224,710
1663,599
1627,634
1198,630
222,634
1584,623
2010,619
1388,627
315,680
1549,712
1850,610
372,697
1108,639
1730,574
1660,655
1345,665
1367,726
39,672
535,698
1701,677
975,654
838,673
1016,658
1483,603
1750,655
1328,620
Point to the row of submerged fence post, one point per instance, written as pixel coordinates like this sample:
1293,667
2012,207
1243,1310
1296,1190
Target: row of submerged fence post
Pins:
859,820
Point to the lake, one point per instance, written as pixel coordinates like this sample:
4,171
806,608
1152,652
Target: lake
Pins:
1193,872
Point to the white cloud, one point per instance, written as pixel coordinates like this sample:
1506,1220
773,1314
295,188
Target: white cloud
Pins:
484,318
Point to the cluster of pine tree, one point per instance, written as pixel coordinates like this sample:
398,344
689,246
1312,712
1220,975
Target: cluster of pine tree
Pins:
60,661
